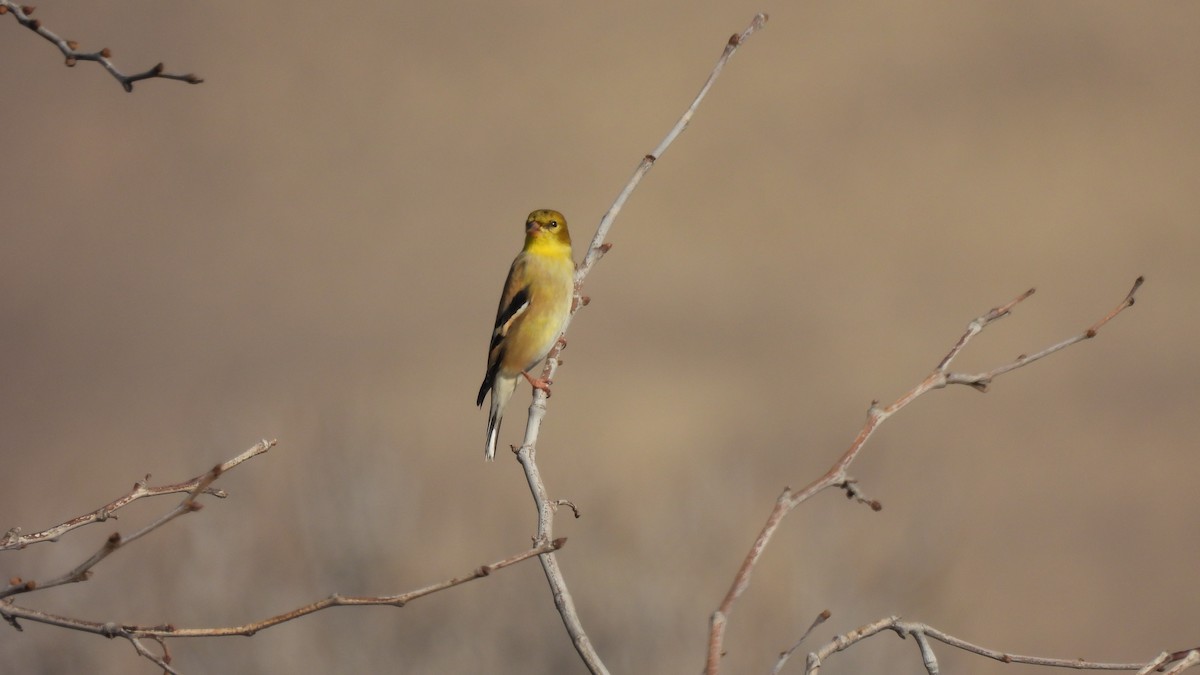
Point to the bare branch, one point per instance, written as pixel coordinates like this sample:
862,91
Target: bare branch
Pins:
70,50
111,629
194,488
597,249
876,415
526,454
922,633
13,539
133,633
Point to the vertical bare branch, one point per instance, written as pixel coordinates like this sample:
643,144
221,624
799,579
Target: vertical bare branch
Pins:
527,453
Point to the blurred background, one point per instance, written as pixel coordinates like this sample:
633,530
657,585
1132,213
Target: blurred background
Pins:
309,247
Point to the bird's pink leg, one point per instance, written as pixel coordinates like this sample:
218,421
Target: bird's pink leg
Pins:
539,383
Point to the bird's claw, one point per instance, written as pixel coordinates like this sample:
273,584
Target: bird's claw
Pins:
539,383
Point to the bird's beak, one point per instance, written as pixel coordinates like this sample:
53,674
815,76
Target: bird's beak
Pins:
532,227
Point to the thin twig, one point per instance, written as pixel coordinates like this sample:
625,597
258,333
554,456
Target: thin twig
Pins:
527,453
597,248
70,50
876,415
13,539
163,661
922,633
787,654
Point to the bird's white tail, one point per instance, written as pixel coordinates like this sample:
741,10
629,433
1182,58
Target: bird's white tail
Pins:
493,431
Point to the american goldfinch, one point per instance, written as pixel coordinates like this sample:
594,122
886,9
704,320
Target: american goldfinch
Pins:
533,308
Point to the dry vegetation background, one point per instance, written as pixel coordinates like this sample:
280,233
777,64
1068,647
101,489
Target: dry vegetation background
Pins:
309,246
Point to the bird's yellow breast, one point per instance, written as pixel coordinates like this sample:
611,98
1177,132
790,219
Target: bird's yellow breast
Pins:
552,283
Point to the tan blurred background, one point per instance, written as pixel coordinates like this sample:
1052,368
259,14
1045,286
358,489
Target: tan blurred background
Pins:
309,246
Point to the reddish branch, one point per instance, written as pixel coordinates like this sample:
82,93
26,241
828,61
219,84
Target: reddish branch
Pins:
837,477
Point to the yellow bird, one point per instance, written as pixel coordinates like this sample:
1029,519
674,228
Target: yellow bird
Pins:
533,308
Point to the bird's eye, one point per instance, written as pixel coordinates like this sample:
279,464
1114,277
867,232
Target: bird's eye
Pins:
553,224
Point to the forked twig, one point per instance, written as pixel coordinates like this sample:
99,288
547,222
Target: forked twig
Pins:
14,539
83,571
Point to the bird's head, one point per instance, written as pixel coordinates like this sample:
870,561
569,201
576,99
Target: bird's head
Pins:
546,229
